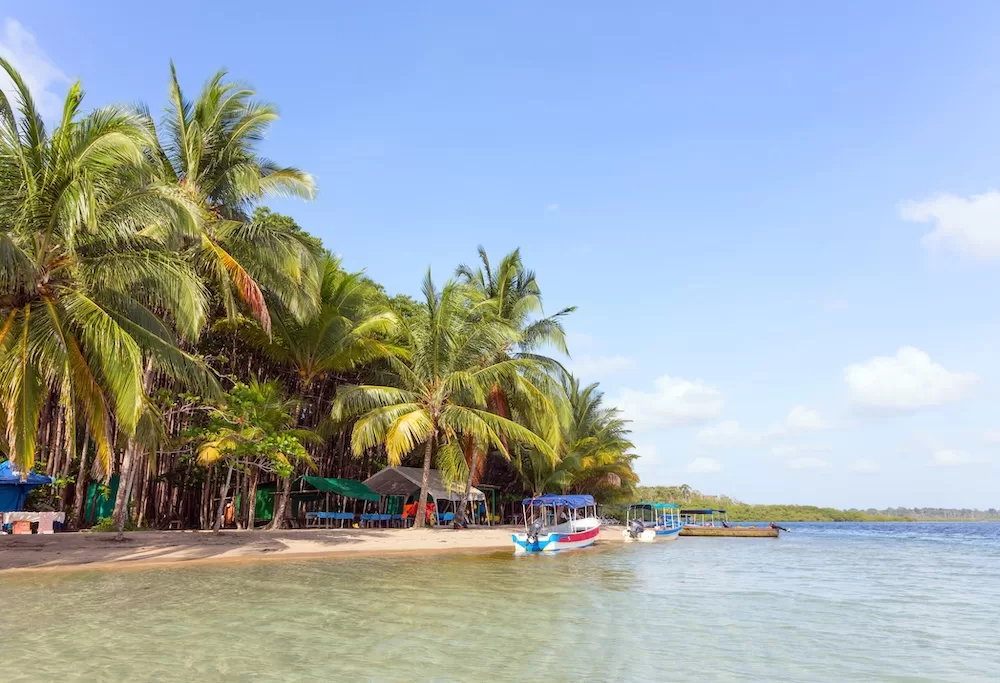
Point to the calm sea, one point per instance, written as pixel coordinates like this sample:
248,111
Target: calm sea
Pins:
844,602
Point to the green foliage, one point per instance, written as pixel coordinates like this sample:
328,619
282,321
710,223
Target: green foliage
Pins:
745,512
107,525
254,428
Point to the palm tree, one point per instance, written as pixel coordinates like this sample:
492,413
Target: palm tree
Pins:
596,456
510,294
209,153
439,397
209,159
347,332
85,291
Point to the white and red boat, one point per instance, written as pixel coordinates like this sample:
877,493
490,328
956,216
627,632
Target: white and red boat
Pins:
553,522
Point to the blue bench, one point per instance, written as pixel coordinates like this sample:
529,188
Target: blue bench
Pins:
322,518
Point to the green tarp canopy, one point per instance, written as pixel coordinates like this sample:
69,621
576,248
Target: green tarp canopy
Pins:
343,487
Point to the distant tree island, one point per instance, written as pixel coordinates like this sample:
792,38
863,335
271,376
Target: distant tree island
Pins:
746,512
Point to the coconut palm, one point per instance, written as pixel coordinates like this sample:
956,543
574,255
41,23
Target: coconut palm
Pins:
348,331
85,292
209,151
510,294
439,398
208,157
595,458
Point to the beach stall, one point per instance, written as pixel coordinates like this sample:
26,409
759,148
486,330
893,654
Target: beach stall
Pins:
403,484
13,492
325,491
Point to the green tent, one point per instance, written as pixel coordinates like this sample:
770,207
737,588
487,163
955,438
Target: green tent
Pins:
348,488
100,502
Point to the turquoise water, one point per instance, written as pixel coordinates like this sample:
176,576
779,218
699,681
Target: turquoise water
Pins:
852,602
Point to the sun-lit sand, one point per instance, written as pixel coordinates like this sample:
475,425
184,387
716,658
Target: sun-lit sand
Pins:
158,548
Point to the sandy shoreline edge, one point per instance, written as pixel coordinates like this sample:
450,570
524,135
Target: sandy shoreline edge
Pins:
149,549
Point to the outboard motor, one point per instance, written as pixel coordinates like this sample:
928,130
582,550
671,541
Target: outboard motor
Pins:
533,530
636,528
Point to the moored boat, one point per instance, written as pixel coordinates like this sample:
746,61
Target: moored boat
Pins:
553,522
712,522
650,522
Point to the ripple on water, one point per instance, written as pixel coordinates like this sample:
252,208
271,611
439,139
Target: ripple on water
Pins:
824,603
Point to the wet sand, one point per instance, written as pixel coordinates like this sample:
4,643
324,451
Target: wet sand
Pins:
90,551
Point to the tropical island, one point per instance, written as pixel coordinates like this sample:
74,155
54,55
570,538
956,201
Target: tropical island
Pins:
171,348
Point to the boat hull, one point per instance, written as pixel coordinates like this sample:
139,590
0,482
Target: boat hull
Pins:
555,541
669,534
651,534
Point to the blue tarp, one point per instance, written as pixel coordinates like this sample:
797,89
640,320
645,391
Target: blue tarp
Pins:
13,491
549,499
655,506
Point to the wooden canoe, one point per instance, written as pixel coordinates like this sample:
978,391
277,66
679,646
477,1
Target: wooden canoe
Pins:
734,531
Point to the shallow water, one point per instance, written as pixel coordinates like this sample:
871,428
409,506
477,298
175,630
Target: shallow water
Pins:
848,602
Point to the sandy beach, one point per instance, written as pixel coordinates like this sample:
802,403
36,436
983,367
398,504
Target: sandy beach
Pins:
77,551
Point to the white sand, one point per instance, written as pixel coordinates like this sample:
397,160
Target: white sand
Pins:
158,548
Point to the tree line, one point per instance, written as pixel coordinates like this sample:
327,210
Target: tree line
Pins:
159,324
747,512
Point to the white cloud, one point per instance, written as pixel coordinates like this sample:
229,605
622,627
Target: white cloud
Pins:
950,457
992,436
805,419
731,434
970,225
790,449
599,366
19,47
726,434
865,466
674,402
908,381
704,466
807,464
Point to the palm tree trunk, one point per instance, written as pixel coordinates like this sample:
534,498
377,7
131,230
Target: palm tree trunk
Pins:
125,475
252,499
80,497
468,487
223,494
282,504
425,482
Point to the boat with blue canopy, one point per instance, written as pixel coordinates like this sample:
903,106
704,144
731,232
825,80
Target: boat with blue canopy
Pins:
652,522
557,522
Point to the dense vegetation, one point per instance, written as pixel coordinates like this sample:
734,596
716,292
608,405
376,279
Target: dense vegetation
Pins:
160,327
745,512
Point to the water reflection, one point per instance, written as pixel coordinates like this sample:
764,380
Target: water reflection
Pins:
822,603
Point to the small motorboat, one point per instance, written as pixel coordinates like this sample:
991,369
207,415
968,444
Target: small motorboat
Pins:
553,522
648,522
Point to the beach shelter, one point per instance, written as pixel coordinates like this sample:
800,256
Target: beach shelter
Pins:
14,491
403,483
312,489
349,488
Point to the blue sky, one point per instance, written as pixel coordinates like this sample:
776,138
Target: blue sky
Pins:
780,222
